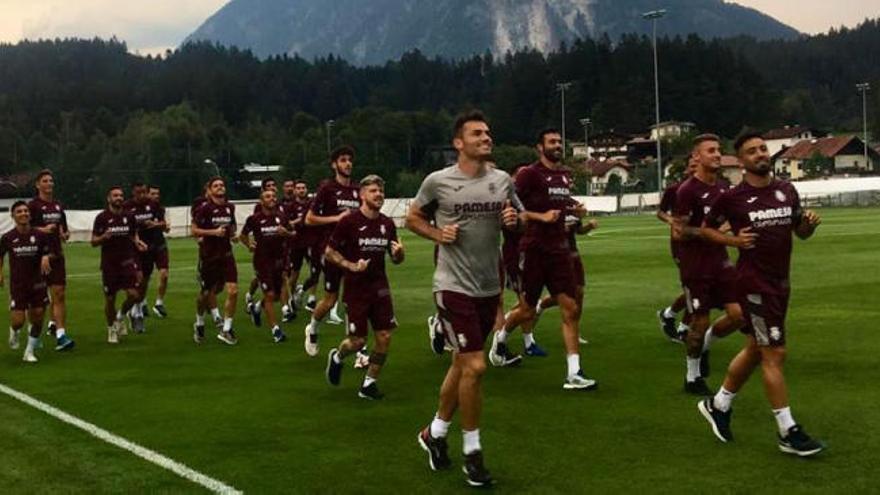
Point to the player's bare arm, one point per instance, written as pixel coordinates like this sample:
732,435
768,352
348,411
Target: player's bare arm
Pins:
810,221
97,240
200,232
397,252
45,265
418,223
588,227
336,258
744,239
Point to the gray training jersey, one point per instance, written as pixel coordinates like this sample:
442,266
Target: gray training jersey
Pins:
470,265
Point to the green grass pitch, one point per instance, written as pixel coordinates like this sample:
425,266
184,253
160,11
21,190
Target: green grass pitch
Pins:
262,418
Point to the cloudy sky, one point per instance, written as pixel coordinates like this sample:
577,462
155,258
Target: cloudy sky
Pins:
154,25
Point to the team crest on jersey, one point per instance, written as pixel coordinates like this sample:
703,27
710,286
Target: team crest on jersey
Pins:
33,239
565,180
775,334
148,207
125,220
492,188
382,229
354,194
780,196
462,340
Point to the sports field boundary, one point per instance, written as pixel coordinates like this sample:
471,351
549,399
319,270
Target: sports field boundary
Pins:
148,455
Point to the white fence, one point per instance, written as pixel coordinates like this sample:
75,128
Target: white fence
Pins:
815,192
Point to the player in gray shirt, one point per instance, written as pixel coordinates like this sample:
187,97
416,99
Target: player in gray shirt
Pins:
470,203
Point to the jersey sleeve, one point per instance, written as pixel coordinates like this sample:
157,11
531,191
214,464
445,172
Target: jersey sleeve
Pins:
523,185
717,215
36,214
797,210
339,238
667,202
3,247
683,201
513,196
98,226
427,194
43,244
248,226
317,206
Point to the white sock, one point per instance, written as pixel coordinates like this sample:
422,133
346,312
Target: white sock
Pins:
60,333
501,336
311,299
668,312
336,358
248,297
334,311
574,364
51,322
539,308
693,368
784,420
119,315
708,339
313,326
276,328
368,380
683,328
723,399
528,339
215,313
200,319
227,324
285,309
32,344
439,428
471,441
159,302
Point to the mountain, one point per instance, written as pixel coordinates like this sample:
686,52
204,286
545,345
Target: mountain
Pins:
374,31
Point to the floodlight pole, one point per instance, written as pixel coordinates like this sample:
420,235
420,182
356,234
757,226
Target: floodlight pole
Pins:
653,16
864,88
562,87
329,125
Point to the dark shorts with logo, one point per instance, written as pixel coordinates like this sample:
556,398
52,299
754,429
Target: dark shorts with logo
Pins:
123,277
28,297
466,321
542,269
580,276
215,274
363,313
764,313
704,294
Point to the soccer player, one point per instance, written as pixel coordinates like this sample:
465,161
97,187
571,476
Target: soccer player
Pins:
707,275
666,316
545,256
253,308
358,246
470,203
269,226
161,254
29,261
296,204
115,230
763,212
150,220
211,301
334,200
214,223
47,217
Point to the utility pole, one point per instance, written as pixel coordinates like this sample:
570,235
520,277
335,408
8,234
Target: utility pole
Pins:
864,88
562,87
653,16
329,126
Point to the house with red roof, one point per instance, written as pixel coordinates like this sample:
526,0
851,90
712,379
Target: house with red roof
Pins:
845,155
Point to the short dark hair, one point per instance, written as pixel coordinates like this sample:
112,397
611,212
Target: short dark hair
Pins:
341,151
114,187
266,181
465,117
539,139
43,173
289,180
154,186
212,180
16,205
300,181
702,138
373,179
744,136
135,185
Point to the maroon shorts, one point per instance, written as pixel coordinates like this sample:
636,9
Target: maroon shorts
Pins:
541,269
214,274
271,279
24,298
161,258
466,321
512,276
703,294
764,314
580,276
297,256
377,312
332,275
58,275
124,277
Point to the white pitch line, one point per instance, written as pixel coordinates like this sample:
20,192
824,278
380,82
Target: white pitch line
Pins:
154,457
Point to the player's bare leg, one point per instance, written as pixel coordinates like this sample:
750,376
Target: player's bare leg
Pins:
58,309
575,379
499,355
162,287
311,331
269,308
203,305
698,346
694,382
433,438
227,334
666,317
249,296
16,321
35,320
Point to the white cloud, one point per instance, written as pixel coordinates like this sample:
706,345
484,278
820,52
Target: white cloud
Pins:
816,16
147,27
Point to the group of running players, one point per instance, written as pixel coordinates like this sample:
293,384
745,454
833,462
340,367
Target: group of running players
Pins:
464,209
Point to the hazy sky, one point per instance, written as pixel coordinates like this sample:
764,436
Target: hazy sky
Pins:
151,26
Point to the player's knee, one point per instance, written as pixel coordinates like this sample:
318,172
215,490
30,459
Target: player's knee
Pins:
734,312
773,355
474,366
383,339
378,358
357,342
58,294
232,290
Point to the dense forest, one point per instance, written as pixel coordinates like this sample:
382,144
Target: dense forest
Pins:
98,115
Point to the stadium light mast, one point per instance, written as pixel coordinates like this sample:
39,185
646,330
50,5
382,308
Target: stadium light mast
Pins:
864,88
586,123
211,163
329,126
653,16
562,87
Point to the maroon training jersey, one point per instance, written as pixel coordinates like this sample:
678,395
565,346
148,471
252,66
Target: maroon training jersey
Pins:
358,237
45,213
667,205
25,253
542,189
142,213
699,258
119,249
196,204
332,199
269,253
211,216
510,246
772,212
